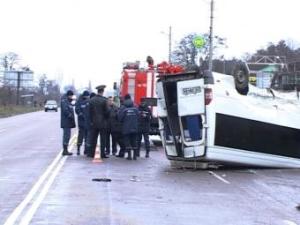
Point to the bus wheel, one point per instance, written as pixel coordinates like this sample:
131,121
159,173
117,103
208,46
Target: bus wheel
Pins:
241,79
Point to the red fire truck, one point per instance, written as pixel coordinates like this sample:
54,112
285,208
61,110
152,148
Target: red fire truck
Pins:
140,83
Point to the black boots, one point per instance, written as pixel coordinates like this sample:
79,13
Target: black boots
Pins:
129,155
78,149
135,154
147,153
65,151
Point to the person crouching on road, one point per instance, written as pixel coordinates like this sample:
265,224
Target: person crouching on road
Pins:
79,109
144,127
67,120
128,116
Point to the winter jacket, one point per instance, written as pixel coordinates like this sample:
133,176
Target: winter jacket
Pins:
80,107
144,119
114,125
98,112
86,115
128,116
67,113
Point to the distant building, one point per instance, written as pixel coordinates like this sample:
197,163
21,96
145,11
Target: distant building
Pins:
263,68
15,78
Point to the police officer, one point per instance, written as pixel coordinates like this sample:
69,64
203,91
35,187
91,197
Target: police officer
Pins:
110,124
115,129
79,109
129,118
144,127
67,120
87,125
98,112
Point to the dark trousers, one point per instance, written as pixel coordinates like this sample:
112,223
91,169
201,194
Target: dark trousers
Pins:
146,140
87,143
82,135
120,140
94,137
113,137
130,141
66,136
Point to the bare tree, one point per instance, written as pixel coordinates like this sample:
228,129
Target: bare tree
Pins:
186,53
282,48
9,60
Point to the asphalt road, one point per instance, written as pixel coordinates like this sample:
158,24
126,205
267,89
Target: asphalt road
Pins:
37,186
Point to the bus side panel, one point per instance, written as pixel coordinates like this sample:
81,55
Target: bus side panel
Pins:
256,136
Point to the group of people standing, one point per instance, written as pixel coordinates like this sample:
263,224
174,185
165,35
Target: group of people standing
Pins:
123,125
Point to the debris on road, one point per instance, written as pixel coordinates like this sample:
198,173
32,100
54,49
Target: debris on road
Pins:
101,179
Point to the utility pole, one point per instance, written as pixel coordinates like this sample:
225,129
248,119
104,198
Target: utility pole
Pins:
211,35
170,44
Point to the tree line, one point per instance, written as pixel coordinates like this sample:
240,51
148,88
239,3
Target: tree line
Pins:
186,54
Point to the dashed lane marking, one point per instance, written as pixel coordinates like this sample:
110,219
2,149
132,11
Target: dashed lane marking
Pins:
219,177
20,208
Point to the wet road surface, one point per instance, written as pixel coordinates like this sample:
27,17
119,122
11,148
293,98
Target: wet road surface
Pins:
146,191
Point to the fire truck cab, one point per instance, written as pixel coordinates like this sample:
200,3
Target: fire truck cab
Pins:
140,84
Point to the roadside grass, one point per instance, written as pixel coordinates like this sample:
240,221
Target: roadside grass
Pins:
12,110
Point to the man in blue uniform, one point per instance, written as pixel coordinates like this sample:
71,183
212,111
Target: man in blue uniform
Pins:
80,110
144,127
87,125
128,116
67,120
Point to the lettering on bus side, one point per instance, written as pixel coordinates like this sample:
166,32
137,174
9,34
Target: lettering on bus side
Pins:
191,91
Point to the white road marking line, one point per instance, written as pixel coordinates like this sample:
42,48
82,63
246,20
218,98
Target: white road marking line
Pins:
2,130
218,177
16,213
4,178
19,209
289,222
32,210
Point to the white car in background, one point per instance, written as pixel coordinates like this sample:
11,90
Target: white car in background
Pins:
51,105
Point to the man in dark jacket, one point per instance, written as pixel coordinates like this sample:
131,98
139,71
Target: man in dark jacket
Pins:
79,109
87,125
98,112
110,126
67,120
144,127
114,129
128,116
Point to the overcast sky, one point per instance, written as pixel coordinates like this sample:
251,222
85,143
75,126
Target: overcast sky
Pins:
90,39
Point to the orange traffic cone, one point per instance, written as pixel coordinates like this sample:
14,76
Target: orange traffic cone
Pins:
97,157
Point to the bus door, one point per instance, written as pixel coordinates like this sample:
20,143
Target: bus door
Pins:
191,112
164,128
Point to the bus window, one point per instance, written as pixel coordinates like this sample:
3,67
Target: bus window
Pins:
192,128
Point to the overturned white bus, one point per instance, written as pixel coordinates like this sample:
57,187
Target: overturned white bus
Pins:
216,118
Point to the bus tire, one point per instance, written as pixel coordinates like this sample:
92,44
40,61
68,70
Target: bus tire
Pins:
241,79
